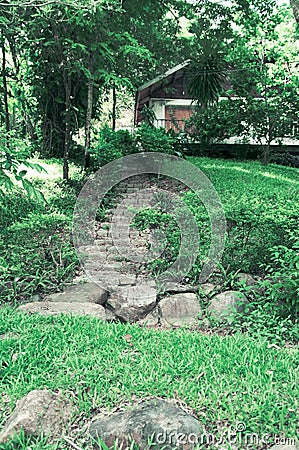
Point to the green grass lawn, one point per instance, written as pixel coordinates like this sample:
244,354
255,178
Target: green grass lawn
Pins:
229,379
226,379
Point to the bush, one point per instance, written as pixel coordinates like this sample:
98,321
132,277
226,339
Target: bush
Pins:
36,256
253,228
282,282
115,144
285,159
261,318
150,139
16,206
111,145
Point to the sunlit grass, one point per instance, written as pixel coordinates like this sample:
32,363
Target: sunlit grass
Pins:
231,379
52,170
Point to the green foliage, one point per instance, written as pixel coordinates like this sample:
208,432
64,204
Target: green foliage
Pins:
36,255
260,205
14,207
285,159
112,145
282,277
213,124
206,74
152,219
79,348
150,139
14,155
61,70
148,115
262,317
261,93
115,144
253,228
36,251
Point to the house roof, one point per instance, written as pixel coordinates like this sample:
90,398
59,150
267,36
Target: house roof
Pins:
164,76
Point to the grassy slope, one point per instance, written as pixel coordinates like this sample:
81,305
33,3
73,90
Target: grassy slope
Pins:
231,379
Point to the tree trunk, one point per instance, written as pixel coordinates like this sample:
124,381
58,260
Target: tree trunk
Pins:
267,149
5,90
30,129
295,6
88,116
67,137
266,154
113,108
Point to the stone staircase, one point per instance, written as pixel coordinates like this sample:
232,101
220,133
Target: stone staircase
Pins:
115,284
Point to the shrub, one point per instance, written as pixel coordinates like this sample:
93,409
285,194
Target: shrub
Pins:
252,229
111,145
282,282
285,159
146,138
150,139
15,206
35,255
261,318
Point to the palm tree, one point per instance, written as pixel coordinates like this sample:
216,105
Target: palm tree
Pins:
206,75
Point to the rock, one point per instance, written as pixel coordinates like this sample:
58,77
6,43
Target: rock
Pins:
222,305
156,421
132,303
55,308
207,288
127,280
80,293
180,309
248,280
152,319
181,288
38,412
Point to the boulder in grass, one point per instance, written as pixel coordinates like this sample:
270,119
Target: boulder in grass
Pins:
39,412
223,306
156,421
180,309
133,303
55,308
80,293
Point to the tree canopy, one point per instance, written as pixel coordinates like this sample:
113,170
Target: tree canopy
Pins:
59,59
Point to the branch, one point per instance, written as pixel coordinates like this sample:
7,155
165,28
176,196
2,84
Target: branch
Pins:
35,4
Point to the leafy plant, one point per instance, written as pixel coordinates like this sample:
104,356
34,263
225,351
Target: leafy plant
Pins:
261,317
36,255
14,155
150,139
112,145
282,277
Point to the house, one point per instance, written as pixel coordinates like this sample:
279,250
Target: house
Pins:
167,96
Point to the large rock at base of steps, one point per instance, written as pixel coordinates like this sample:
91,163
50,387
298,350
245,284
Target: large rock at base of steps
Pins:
80,293
131,304
55,308
223,306
180,309
157,421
